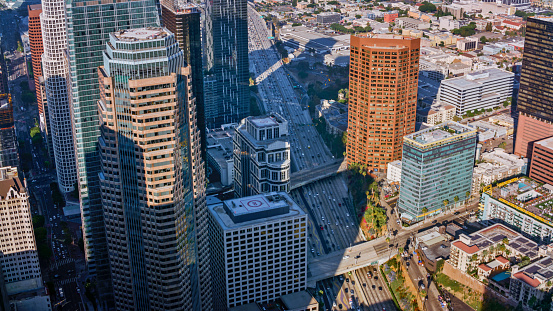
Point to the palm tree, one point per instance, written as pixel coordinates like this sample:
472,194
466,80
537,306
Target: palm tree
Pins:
424,211
446,202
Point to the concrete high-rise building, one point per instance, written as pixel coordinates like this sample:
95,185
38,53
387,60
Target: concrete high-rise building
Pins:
55,68
35,41
19,257
8,140
148,148
535,100
226,40
382,98
436,169
261,155
89,24
249,263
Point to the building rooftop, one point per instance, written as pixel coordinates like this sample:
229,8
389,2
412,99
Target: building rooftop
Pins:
547,143
476,79
265,121
526,195
140,34
441,133
9,179
235,213
494,235
298,300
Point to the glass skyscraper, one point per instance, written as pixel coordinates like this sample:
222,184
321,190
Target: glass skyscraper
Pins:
89,26
226,42
148,145
436,169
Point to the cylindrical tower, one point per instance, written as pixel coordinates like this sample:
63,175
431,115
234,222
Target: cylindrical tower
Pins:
56,76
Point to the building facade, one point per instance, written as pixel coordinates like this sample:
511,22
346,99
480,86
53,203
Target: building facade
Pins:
382,98
250,265
184,20
442,152
226,40
148,192
37,48
328,17
516,203
89,25
542,161
19,256
261,155
55,67
485,89
9,155
535,105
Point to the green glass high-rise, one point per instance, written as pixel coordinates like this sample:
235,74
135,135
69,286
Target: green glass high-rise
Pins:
436,169
88,27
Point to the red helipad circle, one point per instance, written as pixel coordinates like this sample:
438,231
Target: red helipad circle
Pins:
254,203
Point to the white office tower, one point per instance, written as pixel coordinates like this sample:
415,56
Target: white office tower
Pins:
18,252
261,155
259,249
55,68
484,89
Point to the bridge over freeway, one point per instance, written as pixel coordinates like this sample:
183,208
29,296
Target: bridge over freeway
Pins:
374,252
302,178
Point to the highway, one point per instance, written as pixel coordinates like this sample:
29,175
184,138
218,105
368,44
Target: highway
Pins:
308,150
368,253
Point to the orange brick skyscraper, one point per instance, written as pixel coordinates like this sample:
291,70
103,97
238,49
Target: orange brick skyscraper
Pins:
383,82
35,39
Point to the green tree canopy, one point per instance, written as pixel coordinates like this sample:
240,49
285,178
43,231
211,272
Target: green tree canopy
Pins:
427,7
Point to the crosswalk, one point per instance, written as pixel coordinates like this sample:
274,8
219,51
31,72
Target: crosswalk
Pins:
66,281
62,262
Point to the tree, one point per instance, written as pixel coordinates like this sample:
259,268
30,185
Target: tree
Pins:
38,221
294,3
446,202
427,7
489,27
358,16
424,211
483,39
456,199
442,44
505,241
532,301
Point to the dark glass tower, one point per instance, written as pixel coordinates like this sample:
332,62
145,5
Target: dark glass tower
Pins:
184,20
227,60
89,24
535,99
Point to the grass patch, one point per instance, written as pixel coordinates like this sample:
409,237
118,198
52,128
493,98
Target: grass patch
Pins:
446,281
469,296
389,288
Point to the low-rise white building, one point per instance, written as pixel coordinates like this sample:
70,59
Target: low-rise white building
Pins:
438,112
411,23
449,23
479,90
393,174
496,165
259,247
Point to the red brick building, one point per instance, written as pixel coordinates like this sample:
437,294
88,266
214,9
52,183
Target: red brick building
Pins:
382,98
541,168
390,17
35,40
